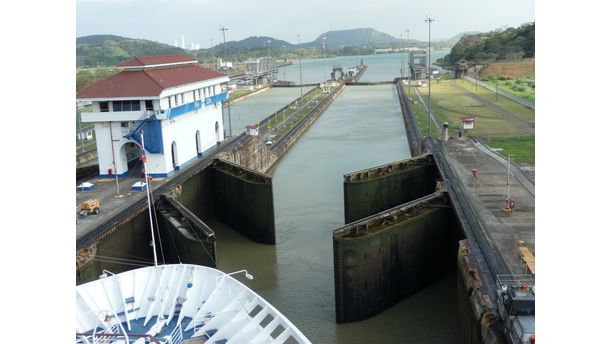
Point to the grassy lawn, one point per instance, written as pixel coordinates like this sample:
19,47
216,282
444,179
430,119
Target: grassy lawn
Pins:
521,87
87,145
519,111
449,104
239,93
521,148
420,114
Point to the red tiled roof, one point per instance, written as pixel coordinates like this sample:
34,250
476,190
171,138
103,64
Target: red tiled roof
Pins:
147,83
140,61
468,118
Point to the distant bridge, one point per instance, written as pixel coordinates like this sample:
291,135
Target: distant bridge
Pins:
261,67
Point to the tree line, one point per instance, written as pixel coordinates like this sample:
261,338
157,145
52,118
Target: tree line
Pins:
508,44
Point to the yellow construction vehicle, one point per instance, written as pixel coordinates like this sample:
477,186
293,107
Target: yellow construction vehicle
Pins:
91,206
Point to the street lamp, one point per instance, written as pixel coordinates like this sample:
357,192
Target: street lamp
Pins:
429,20
268,41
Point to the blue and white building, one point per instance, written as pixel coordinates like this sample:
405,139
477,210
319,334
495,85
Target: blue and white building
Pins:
176,104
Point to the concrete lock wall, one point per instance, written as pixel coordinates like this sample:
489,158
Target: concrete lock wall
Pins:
118,250
244,201
239,197
251,153
374,190
376,270
196,194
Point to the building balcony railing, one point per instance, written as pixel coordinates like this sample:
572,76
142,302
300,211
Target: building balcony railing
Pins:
133,116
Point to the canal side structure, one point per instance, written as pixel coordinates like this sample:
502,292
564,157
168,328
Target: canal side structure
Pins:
412,130
223,187
168,100
384,258
376,252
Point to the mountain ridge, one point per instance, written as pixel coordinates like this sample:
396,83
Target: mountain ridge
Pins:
109,50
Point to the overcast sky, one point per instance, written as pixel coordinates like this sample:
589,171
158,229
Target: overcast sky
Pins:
199,20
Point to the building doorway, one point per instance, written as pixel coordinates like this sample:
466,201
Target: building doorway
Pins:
217,133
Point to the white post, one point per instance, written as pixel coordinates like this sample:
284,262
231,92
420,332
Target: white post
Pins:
144,164
508,180
110,125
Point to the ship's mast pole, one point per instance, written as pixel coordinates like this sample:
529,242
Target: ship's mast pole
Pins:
144,164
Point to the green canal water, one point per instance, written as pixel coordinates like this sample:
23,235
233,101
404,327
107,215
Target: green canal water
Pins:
258,107
381,67
361,129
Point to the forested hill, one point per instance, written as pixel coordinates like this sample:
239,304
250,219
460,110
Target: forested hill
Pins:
355,37
109,50
511,43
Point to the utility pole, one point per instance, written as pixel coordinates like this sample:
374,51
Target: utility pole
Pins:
429,20
300,63
212,55
223,30
508,182
324,61
229,114
408,69
401,58
284,67
496,83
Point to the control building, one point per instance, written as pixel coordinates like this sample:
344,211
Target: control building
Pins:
172,102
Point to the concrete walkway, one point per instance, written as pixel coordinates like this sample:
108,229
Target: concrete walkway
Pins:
488,197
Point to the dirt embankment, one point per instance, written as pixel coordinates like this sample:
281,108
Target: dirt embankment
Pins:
519,69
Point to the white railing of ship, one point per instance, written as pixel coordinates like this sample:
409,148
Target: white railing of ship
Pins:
201,321
114,328
175,337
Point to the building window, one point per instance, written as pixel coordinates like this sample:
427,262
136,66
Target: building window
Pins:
103,106
126,105
149,105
